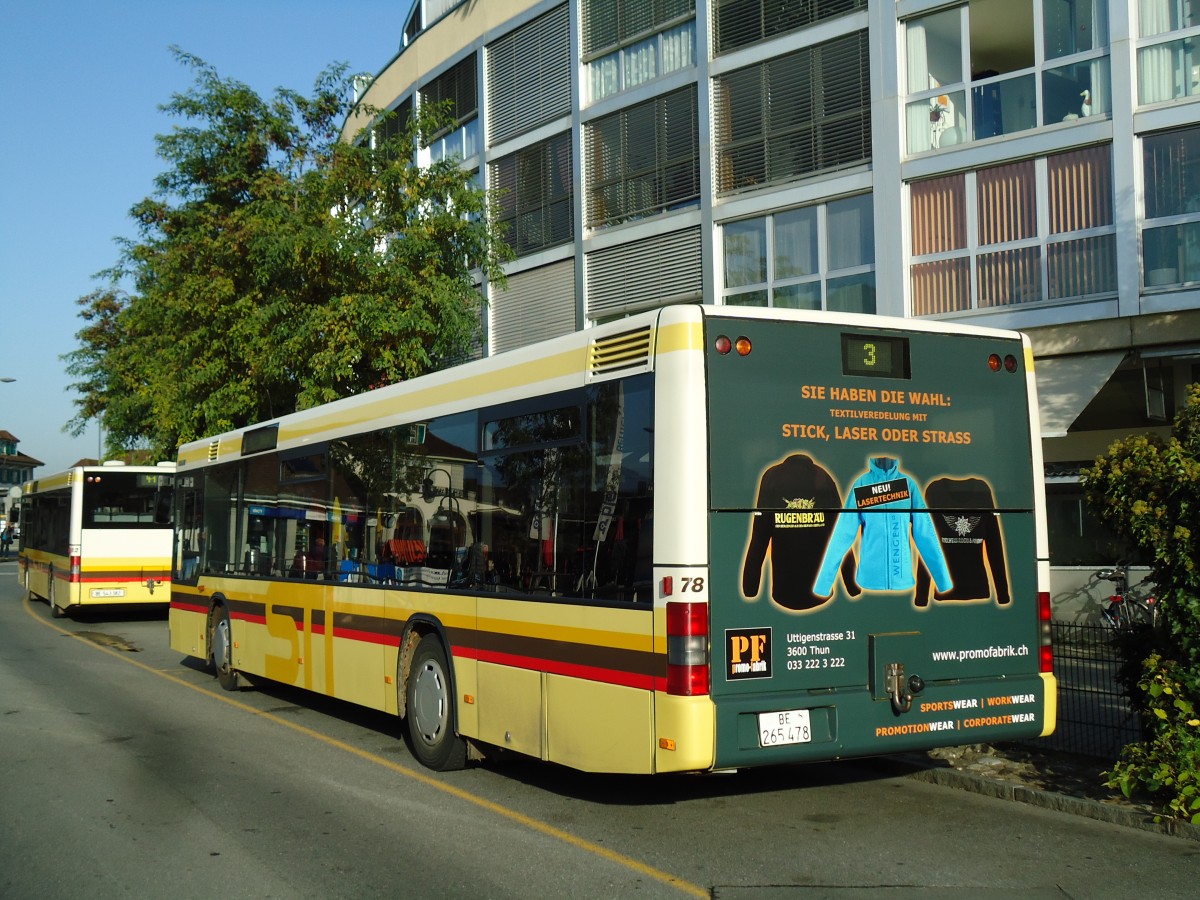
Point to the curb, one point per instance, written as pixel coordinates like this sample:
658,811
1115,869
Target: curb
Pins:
1127,817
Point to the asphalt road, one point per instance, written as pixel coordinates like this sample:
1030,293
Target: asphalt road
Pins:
128,773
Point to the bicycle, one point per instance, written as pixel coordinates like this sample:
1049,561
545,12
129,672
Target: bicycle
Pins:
1126,608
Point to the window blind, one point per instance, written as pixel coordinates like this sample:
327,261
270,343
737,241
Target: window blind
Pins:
529,76
794,115
644,274
538,305
739,23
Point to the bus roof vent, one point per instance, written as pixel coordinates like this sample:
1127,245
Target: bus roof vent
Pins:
214,448
620,354
113,462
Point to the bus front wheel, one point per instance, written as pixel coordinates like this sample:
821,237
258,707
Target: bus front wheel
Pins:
430,708
220,644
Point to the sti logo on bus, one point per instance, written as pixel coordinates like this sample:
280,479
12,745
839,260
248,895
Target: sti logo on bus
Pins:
747,653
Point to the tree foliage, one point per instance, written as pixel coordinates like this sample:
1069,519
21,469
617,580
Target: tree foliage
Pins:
1149,490
277,267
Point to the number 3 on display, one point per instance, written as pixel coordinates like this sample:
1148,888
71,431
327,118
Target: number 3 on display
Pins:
868,354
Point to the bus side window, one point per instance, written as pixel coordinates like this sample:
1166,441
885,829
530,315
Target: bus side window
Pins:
259,510
220,502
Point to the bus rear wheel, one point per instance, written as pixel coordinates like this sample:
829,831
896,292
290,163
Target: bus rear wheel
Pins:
56,611
430,709
220,645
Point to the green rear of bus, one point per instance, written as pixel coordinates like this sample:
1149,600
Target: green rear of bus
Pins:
874,537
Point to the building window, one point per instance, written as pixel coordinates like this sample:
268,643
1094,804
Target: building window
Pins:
794,115
1171,219
646,274
643,160
456,89
977,70
980,239
529,76
739,23
535,195
631,42
1168,67
393,125
814,257
1077,536
413,26
537,305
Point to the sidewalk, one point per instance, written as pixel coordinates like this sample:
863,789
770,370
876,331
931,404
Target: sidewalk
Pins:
1048,780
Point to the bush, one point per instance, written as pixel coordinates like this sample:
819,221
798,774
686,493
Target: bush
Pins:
1166,765
1148,490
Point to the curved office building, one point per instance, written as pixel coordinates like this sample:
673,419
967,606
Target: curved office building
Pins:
1028,164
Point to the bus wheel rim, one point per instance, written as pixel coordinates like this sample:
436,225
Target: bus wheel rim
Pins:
430,702
221,644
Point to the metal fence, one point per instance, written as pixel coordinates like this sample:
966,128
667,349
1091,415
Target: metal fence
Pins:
1094,713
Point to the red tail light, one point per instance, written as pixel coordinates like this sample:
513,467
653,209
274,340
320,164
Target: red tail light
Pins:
1008,363
1045,651
687,649
724,345
75,570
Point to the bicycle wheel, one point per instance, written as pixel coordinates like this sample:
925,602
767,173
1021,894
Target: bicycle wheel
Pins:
1134,614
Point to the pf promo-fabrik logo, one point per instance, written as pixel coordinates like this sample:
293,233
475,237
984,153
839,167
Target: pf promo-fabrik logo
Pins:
747,653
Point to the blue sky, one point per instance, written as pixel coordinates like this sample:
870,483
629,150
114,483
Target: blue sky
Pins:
81,82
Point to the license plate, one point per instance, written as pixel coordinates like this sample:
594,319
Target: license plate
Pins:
790,726
108,592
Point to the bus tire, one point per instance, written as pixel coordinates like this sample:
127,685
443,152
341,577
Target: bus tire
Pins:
56,611
220,648
430,705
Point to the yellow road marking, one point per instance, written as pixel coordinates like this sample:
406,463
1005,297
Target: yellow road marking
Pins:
419,776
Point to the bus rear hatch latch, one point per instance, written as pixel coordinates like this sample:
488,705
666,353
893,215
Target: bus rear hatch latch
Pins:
901,691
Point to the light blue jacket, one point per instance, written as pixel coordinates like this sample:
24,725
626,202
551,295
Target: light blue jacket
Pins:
887,507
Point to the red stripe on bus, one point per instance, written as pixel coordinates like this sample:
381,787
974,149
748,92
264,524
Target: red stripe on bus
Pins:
554,667
367,637
159,578
590,673
189,607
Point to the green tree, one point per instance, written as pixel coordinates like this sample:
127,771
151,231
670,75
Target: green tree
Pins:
1149,490
277,267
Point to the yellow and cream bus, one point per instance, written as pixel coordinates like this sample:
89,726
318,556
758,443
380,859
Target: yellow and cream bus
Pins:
98,535
698,538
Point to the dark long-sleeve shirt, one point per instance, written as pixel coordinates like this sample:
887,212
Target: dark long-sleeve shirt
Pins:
796,511
969,532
